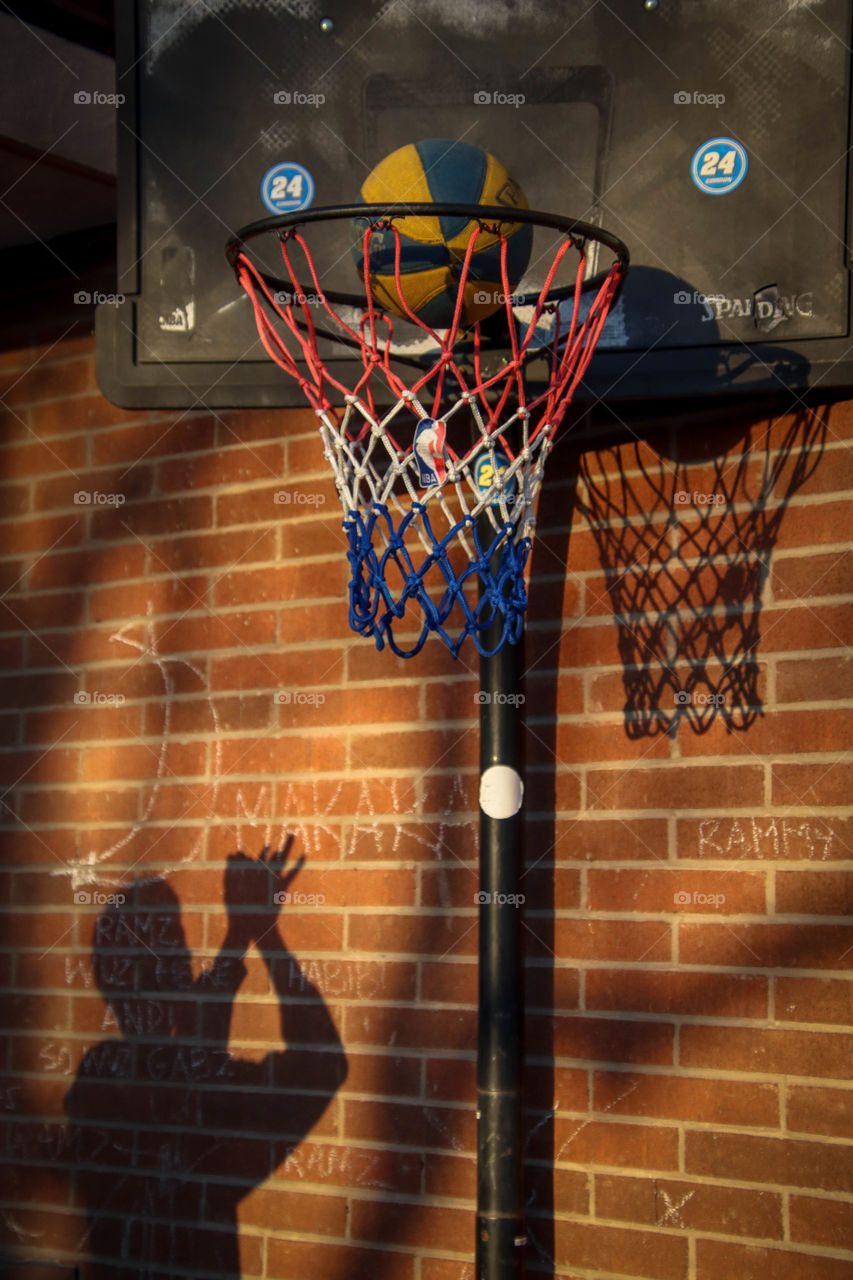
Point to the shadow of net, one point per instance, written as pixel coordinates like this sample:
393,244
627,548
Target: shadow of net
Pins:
686,533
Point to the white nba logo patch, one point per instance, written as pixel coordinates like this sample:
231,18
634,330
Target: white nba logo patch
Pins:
429,452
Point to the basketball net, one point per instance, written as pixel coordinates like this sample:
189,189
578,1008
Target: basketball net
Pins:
437,479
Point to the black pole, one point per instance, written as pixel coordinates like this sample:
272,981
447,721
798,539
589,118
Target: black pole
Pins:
500,1194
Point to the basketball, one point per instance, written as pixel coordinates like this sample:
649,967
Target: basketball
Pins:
432,250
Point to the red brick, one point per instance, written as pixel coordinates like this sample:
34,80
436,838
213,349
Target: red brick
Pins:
451,1079
166,595
797,1053
587,1141
232,630
51,379
604,1040
34,1012
814,1000
35,456
285,583
294,669
155,438
436,1128
818,1110
613,1249
787,946
43,534
597,840
573,647
366,662
53,848
781,732
815,679
416,1224
828,1223
803,577
594,743
97,764
349,707
716,1258
235,426
383,1075
546,696
410,1028
812,837
631,940
287,753
108,564
329,620
674,1204
37,928
37,768
304,452
665,890
676,787
811,627
222,467
295,1259
838,421
820,893
545,793
716,994
430,749
694,1098
784,1161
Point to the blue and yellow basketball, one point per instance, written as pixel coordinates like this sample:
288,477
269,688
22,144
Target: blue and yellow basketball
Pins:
433,249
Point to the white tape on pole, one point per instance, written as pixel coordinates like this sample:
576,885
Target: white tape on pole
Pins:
501,792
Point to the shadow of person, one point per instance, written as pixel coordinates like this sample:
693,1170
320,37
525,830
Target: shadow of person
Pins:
170,1130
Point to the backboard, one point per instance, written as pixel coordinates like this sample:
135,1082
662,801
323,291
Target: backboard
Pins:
711,136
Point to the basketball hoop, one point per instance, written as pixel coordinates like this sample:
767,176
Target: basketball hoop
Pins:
437,472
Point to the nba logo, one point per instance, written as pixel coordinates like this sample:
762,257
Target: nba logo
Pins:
429,452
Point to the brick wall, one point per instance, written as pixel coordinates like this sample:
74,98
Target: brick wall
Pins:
689,846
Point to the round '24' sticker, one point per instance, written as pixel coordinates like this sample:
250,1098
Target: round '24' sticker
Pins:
719,166
287,187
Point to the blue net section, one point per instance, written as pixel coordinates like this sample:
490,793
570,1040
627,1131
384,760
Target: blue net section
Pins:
496,573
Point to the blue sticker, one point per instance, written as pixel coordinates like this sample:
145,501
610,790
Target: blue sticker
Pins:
719,166
484,475
429,452
287,187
